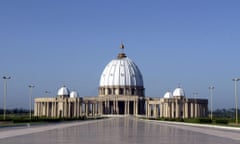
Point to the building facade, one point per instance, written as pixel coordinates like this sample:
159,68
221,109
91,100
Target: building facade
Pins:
176,105
121,92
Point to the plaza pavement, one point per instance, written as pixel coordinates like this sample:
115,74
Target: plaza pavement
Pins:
121,130
215,130
28,129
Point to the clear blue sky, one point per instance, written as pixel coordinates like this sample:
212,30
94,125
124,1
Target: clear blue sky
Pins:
55,43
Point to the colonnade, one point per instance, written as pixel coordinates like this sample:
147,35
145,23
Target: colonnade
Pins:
94,106
176,108
122,91
66,107
124,105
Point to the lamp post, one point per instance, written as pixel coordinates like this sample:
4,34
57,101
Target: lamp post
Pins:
30,100
236,97
5,78
211,88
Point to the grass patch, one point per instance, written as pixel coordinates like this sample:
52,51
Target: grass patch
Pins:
16,119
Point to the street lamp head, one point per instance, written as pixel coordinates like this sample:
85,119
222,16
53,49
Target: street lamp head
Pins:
31,86
236,79
211,87
6,77
47,92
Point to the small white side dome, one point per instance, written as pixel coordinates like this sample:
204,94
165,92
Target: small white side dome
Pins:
179,92
168,95
74,94
63,91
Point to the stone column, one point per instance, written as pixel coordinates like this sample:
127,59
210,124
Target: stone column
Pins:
177,109
146,107
196,110
52,109
93,109
86,109
172,110
169,110
155,110
186,115
44,106
192,110
75,107
35,109
64,111
47,114
128,110
114,106
80,108
136,107
117,108
70,113
125,107
108,105
96,108
199,110
99,108
56,109
104,106
38,109
161,112
165,110
149,110
42,109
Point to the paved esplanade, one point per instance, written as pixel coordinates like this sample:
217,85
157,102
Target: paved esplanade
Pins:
118,130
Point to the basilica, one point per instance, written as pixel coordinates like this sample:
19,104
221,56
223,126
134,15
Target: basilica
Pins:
121,92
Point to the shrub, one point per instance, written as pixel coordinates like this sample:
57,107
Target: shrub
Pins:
221,121
179,120
191,120
204,120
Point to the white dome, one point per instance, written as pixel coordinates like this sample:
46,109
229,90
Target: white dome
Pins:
63,91
74,94
179,92
168,95
121,72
